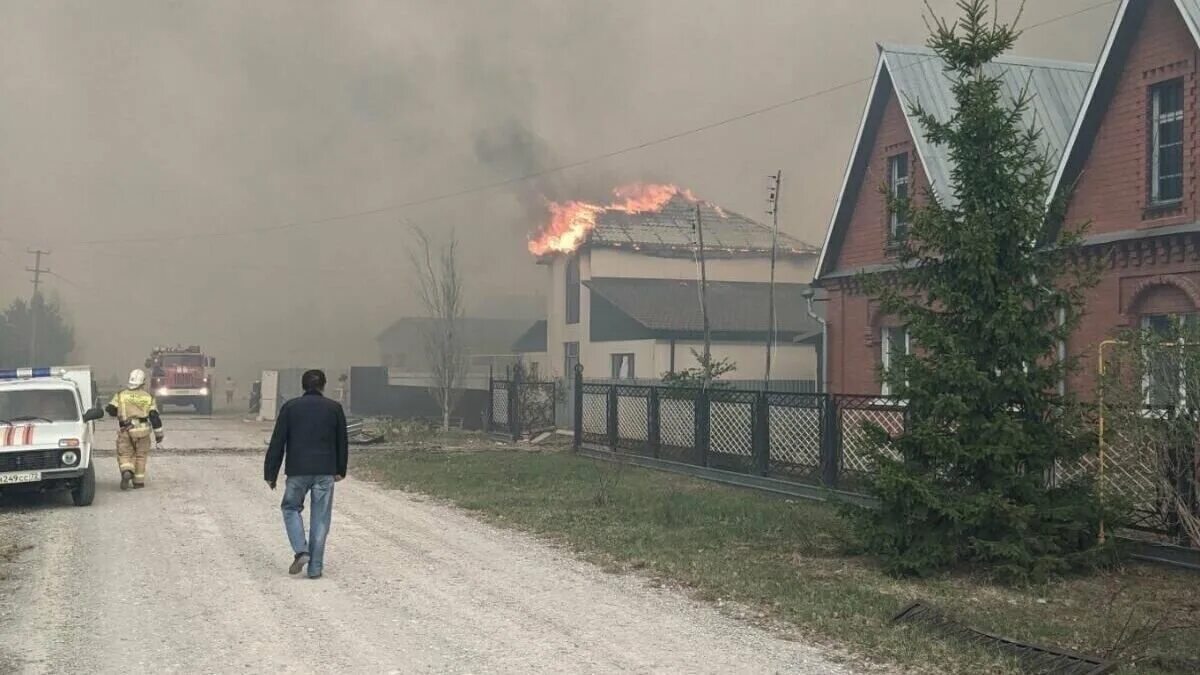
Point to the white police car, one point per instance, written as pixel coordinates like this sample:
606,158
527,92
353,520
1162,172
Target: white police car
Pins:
47,420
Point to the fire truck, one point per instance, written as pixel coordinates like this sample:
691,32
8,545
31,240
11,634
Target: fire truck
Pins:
182,376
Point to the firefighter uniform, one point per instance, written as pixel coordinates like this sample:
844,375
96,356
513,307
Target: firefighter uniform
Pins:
138,419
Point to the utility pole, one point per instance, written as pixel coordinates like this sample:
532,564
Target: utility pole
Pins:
35,301
707,365
773,209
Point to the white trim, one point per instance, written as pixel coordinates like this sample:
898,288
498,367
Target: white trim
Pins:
885,353
856,149
1087,100
1187,18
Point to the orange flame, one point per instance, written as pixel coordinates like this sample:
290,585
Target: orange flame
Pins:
571,221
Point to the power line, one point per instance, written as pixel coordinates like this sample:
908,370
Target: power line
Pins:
485,187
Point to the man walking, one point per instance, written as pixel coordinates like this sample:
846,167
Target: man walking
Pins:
137,418
311,433
230,388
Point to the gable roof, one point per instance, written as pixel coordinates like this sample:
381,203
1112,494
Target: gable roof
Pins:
1104,81
916,75
736,310
672,229
480,335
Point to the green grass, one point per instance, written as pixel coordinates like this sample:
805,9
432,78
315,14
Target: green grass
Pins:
790,562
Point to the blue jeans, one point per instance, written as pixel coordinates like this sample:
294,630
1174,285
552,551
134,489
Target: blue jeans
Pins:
294,492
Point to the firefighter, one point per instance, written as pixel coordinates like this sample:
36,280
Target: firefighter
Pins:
137,418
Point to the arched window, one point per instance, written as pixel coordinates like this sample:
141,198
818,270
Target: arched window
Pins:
1162,308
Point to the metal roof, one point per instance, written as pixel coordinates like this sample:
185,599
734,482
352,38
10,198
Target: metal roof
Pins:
1057,90
916,75
673,306
673,228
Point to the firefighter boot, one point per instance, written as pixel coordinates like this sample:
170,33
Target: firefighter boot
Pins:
126,479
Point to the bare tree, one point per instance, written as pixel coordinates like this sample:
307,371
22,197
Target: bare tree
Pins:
439,284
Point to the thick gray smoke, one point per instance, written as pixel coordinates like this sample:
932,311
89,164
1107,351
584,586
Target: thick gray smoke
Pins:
133,131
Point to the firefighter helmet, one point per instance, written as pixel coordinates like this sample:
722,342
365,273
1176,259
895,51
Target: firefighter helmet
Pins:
137,378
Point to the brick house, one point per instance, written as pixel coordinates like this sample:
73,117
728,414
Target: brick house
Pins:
1124,134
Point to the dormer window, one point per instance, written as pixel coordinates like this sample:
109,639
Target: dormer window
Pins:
898,179
1166,142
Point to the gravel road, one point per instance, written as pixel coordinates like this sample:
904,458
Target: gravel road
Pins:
189,575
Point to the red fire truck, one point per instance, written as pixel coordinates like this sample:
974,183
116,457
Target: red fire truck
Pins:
182,376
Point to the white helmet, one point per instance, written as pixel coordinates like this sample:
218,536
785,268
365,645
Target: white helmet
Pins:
137,378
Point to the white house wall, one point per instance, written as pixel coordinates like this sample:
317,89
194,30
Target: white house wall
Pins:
627,264
652,357
789,361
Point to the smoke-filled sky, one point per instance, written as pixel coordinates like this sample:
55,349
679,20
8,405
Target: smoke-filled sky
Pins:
188,163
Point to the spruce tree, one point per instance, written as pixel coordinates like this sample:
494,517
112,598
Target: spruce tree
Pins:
986,300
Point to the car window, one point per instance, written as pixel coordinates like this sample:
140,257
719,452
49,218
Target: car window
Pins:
38,405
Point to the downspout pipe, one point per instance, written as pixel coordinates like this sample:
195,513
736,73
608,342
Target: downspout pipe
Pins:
810,297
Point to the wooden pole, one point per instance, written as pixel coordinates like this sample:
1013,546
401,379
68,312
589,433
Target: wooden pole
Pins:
707,365
774,198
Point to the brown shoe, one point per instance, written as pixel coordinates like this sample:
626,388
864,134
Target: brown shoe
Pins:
138,486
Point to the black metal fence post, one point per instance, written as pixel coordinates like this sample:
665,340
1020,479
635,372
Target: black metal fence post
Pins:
514,404
487,423
578,404
612,418
702,426
653,423
760,431
831,441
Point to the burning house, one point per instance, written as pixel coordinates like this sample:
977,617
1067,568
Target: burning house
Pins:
623,293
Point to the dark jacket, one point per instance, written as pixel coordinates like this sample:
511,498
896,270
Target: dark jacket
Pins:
311,432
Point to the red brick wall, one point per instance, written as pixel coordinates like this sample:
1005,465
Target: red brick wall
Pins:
853,344
1112,193
867,230
1132,286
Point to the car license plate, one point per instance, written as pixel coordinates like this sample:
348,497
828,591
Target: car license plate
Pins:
20,477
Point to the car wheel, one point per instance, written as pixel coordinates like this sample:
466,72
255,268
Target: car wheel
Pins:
85,492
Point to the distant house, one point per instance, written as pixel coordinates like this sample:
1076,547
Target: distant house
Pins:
488,343
626,302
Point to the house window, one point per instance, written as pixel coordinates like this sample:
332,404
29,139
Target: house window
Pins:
622,366
573,289
1165,379
894,342
1166,142
570,359
898,179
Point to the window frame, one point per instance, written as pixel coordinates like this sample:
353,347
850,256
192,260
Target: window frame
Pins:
885,354
898,222
1155,174
1148,384
615,361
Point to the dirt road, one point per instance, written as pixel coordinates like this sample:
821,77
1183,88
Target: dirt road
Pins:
189,575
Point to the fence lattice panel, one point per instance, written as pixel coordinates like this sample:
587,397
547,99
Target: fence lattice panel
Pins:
856,417
795,430
500,404
730,424
633,412
677,419
595,414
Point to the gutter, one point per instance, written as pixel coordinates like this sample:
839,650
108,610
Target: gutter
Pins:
824,378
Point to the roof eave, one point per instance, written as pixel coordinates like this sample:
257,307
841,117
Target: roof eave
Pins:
856,148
